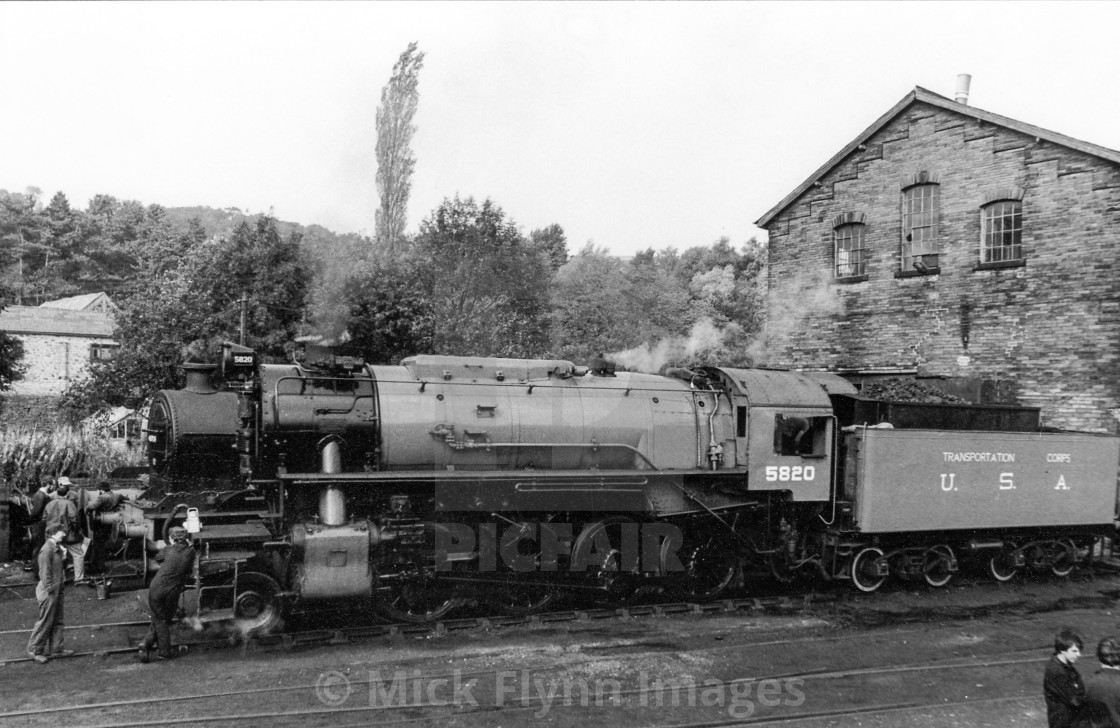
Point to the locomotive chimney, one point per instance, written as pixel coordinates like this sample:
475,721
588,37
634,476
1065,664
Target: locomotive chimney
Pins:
198,378
964,81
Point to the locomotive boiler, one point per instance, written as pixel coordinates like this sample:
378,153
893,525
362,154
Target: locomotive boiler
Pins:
410,489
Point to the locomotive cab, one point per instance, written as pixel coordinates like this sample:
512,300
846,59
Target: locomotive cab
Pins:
784,428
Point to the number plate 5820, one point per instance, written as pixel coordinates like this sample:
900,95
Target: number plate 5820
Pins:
790,473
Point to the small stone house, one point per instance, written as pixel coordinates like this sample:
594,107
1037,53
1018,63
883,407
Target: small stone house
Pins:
60,339
958,245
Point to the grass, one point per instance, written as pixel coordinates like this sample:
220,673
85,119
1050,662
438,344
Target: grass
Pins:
27,455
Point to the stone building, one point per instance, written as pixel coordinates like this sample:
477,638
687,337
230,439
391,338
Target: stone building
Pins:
956,244
60,339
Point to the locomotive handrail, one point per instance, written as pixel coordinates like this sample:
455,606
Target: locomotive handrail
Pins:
464,445
535,383
354,396
610,477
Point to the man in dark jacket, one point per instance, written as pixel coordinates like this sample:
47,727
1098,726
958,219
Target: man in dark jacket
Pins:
46,635
163,594
1061,684
106,502
35,514
1102,688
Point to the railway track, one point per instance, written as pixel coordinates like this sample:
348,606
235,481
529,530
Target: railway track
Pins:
365,632
302,709
349,633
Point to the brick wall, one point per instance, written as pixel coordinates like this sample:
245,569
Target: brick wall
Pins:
1051,326
20,410
53,361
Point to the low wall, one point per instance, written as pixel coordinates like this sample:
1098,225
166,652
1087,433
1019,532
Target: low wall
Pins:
23,410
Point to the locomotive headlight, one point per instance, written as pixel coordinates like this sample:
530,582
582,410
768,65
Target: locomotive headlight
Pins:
192,524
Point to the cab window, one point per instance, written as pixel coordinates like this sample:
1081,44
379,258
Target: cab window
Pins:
799,435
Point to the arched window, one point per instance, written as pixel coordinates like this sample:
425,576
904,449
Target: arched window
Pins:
851,259
921,206
1001,231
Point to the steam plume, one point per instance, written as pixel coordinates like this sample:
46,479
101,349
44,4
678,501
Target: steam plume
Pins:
704,336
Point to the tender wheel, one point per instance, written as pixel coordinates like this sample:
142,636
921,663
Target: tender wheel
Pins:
1065,561
257,606
865,575
1002,565
404,592
938,567
709,568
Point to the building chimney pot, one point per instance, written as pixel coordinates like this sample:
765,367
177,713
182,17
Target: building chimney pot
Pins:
964,81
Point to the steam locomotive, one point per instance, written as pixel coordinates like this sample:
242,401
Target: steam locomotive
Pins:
410,489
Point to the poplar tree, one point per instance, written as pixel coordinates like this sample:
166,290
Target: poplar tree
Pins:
395,160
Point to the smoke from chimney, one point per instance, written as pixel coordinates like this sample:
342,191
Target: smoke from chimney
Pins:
964,81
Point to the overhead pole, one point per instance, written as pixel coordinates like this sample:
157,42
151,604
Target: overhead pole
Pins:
244,307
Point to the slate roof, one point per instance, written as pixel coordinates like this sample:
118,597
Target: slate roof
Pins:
921,95
57,321
78,303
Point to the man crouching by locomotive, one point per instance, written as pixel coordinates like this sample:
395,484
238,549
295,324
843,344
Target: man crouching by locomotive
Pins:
163,594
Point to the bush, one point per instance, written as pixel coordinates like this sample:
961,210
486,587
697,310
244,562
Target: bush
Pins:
29,454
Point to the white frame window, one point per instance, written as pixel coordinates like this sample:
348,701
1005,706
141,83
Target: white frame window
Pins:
1001,231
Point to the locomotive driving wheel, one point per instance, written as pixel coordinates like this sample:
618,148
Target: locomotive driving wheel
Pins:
865,570
520,599
938,569
710,567
607,551
404,591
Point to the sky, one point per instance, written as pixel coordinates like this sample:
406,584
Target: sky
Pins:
632,125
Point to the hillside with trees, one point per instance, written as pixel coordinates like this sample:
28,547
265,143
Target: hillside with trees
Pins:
470,281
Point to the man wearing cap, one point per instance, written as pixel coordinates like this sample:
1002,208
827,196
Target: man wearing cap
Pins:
47,635
62,513
163,594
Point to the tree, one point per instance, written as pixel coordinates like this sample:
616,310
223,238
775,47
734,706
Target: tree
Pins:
390,313
488,285
660,307
553,243
22,233
589,311
184,312
395,160
256,262
11,356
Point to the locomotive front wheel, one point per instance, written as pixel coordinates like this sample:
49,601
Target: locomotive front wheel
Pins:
937,570
865,572
1002,565
1065,561
257,606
